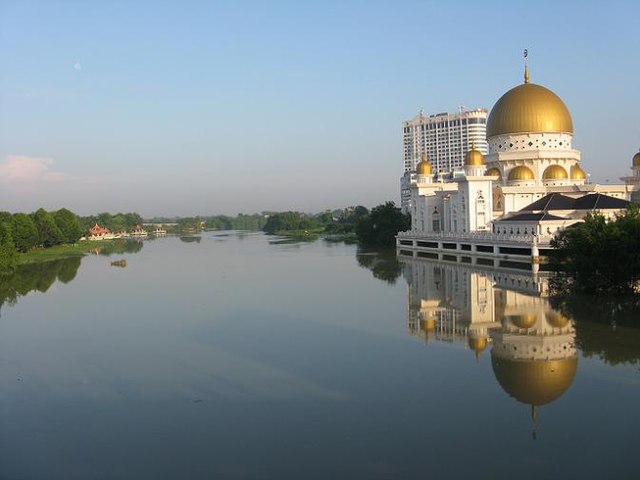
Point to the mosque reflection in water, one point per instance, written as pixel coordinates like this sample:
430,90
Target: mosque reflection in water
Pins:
504,313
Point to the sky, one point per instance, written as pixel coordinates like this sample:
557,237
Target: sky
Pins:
225,107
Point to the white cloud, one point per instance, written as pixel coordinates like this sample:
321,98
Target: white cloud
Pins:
23,169
77,66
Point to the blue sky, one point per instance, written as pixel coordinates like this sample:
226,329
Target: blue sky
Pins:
194,107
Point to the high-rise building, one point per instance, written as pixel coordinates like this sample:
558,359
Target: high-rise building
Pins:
444,138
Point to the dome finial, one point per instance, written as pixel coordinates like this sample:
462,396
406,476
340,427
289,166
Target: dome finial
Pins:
525,54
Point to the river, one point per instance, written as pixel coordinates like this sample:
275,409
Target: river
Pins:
242,356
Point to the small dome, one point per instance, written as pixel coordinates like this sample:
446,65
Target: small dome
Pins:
521,173
577,173
424,167
554,172
636,160
529,108
522,321
474,157
494,172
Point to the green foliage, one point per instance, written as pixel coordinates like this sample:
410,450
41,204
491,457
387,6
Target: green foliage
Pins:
190,224
8,251
290,221
68,224
254,222
48,232
381,226
600,256
25,232
219,222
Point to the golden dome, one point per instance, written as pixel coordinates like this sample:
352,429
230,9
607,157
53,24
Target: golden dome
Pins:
577,173
522,321
534,382
557,320
521,173
424,167
474,157
494,172
554,172
529,108
636,160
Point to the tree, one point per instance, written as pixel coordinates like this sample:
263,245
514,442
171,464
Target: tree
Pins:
599,256
48,232
68,224
7,249
25,232
381,226
289,221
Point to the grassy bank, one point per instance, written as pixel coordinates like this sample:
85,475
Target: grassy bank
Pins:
79,249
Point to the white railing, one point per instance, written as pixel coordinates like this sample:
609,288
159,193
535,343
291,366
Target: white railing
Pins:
489,237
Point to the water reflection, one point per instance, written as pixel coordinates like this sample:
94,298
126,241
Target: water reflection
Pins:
533,354
118,247
36,277
384,265
190,238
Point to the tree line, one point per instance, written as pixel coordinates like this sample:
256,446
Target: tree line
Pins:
20,232
599,256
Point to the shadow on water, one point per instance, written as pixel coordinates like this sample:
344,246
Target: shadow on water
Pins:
384,264
37,277
293,240
606,327
190,239
118,247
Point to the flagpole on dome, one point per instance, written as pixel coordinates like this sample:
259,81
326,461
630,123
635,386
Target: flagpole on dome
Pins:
525,54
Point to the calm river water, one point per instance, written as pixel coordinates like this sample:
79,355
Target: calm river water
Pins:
236,356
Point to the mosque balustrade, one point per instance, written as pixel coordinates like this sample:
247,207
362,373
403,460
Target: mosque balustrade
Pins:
480,237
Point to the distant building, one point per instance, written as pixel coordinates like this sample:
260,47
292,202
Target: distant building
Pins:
99,233
444,138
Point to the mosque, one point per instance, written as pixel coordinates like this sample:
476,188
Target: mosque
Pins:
512,201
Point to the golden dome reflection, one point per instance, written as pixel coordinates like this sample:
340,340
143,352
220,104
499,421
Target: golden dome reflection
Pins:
534,382
478,344
577,173
554,172
522,321
529,108
521,173
557,320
